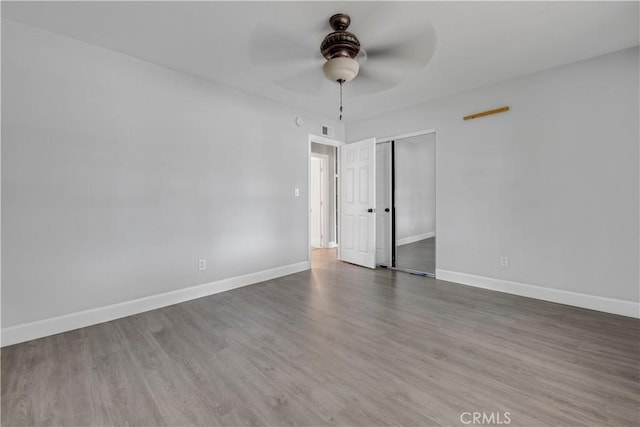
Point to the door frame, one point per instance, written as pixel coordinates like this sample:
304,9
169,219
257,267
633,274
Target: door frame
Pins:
318,139
324,183
392,140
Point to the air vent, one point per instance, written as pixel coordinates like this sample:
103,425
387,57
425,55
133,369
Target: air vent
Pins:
327,131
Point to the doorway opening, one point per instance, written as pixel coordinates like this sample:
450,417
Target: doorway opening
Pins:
323,196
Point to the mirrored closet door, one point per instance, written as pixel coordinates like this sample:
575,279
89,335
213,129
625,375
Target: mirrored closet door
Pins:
414,194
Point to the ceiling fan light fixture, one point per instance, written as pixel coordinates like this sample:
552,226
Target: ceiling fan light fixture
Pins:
341,69
339,49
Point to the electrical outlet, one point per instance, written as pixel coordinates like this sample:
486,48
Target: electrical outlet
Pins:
202,264
504,261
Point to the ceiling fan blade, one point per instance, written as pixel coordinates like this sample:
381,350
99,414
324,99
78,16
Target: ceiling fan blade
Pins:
270,46
366,83
387,71
308,80
394,61
416,48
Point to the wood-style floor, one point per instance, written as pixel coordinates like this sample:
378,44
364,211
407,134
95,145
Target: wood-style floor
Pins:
419,256
338,345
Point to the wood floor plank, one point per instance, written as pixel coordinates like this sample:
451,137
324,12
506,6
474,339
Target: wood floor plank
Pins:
337,345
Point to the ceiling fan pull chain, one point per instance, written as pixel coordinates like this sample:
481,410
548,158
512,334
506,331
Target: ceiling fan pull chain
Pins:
340,81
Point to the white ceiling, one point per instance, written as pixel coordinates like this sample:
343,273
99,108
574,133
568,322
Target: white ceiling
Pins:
476,43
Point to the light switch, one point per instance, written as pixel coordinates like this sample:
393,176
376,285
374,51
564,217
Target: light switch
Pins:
296,192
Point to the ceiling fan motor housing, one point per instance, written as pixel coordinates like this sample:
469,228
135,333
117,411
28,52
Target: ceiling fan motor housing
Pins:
341,43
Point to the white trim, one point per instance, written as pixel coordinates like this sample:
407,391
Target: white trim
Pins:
332,245
55,325
416,238
319,139
405,135
593,302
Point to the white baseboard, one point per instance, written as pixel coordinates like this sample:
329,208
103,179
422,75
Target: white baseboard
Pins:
412,239
55,325
332,245
593,302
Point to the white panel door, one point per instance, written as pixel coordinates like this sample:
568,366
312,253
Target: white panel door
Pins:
383,204
358,202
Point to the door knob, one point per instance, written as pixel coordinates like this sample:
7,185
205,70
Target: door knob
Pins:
371,210
386,209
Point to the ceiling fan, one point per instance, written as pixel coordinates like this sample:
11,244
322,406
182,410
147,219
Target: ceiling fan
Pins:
379,63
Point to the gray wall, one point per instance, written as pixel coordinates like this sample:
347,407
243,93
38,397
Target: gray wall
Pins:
415,195
118,175
553,183
331,195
